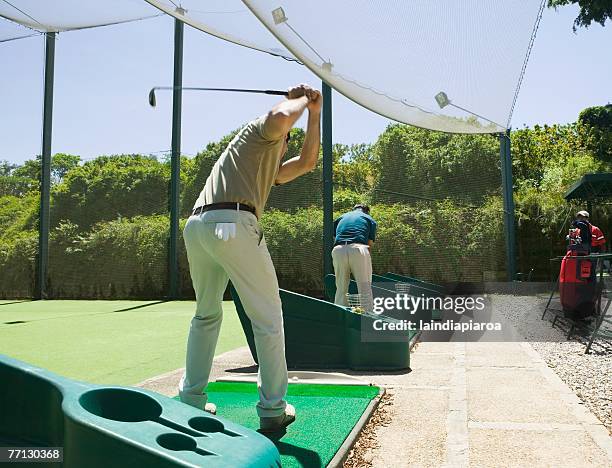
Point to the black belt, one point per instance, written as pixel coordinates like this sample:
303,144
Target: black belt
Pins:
223,206
345,243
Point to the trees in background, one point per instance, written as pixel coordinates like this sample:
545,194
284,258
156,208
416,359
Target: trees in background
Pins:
437,198
596,131
413,163
590,11
111,187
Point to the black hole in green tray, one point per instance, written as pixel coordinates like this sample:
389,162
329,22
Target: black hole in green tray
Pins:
180,442
204,424
121,405
177,442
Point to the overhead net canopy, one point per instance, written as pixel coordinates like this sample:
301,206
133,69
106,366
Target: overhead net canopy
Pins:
10,31
226,19
66,15
444,65
407,60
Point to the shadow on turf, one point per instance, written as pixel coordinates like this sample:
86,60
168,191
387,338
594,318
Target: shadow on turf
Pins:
140,306
306,458
127,309
255,368
244,370
119,310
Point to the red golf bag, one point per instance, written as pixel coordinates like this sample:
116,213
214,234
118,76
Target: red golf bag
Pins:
577,278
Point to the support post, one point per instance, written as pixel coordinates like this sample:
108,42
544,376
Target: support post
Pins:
328,187
45,173
509,224
175,164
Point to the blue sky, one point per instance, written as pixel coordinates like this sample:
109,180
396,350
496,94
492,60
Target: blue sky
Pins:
103,77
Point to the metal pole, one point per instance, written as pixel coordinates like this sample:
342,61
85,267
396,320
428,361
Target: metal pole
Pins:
509,225
328,187
45,173
175,163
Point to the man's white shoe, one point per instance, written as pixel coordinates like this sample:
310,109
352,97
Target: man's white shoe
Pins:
210,408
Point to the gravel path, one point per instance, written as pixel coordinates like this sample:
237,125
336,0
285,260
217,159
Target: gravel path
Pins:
589,375
361,454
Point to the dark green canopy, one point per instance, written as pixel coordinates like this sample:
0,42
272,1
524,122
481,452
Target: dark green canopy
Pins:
591,187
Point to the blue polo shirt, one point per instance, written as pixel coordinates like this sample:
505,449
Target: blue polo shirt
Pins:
356,227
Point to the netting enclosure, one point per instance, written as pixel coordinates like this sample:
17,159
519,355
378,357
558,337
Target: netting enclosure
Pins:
395,57
451,67
68,15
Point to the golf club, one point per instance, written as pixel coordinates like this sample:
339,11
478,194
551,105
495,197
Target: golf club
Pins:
153,102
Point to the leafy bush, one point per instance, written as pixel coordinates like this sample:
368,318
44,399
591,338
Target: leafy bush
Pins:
124,258
18,214
111,187
413,161
17,265
17,186
295,242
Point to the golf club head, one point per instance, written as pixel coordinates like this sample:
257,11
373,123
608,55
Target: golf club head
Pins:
152,101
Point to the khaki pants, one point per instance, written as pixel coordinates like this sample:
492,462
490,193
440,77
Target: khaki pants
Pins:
244,260
355,259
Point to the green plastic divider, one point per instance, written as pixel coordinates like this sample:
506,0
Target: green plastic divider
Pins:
100,426
322,335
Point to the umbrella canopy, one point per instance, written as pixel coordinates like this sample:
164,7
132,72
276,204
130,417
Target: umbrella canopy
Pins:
591,187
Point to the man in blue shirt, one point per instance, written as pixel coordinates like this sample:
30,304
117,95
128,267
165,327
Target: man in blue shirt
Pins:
355,234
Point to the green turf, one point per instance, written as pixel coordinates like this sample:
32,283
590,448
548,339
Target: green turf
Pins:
326,414
107,342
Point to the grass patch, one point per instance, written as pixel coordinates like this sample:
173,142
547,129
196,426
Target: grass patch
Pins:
106,342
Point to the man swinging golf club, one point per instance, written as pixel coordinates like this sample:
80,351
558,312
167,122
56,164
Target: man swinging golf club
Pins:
224,241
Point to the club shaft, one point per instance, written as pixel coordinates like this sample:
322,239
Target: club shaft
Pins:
233,90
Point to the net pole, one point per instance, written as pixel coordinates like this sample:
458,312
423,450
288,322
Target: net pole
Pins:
509,225
328,190
175,163
45,173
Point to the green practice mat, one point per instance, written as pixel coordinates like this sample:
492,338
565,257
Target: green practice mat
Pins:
325,415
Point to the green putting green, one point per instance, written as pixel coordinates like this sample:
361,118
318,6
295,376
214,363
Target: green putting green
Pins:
326,414
106,342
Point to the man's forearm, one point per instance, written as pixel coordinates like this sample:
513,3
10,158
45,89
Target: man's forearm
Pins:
309,156
312,141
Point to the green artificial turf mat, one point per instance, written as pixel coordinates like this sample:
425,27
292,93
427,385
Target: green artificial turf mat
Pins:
106,342
325,415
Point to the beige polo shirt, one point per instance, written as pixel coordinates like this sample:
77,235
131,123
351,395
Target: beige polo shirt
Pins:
246,170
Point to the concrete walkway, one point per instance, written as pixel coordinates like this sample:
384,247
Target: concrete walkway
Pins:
468,404
486,405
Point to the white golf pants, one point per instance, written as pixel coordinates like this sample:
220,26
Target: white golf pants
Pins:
245,260
355,259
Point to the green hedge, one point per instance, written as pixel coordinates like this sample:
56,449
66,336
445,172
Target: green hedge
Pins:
17,266
127,258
